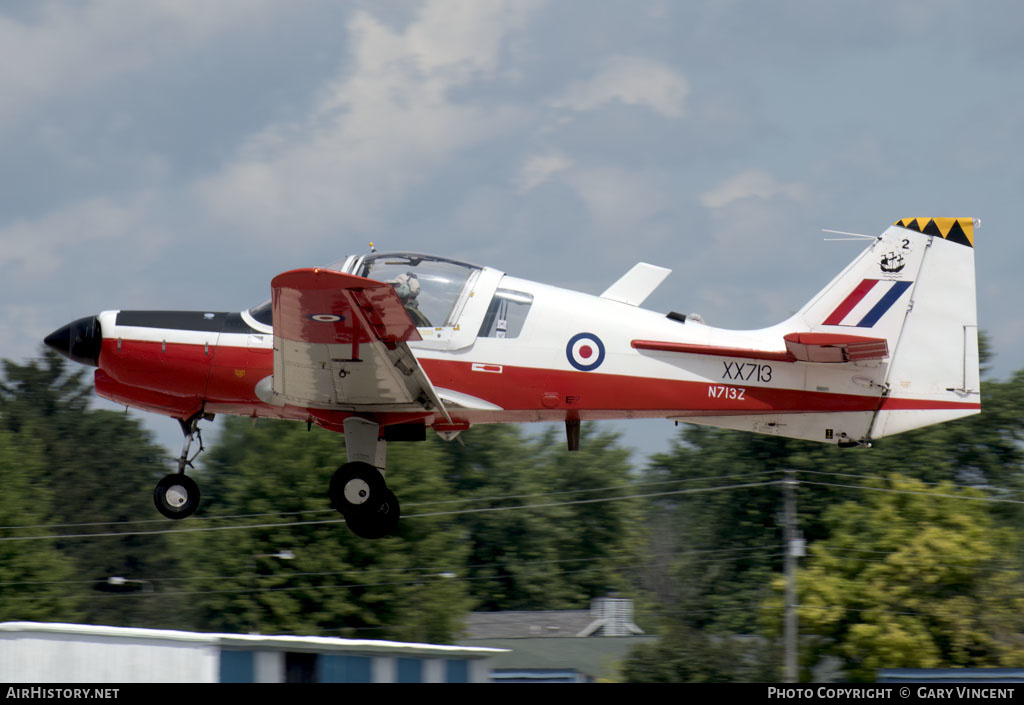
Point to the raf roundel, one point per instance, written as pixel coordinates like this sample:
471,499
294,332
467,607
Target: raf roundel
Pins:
585,352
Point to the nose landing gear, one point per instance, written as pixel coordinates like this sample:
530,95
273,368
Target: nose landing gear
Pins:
176,496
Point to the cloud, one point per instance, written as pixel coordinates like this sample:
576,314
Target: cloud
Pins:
752,183
627,208
539,168
386,124
69,48
633,80
30,249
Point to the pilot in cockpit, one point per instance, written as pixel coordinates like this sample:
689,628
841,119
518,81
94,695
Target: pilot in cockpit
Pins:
407,286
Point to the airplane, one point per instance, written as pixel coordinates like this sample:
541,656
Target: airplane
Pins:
384,346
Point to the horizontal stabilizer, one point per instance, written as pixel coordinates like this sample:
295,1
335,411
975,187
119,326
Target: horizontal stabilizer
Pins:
800,347
830,347
717,350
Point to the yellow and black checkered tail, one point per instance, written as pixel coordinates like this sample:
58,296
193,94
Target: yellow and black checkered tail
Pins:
959,230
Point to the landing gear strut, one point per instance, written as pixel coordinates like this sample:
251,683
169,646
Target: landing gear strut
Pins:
176,496
358,489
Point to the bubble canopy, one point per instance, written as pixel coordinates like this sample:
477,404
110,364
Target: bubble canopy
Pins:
430,287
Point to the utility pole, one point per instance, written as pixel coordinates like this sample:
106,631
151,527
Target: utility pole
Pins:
794,549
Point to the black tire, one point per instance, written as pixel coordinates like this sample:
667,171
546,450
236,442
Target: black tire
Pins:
356,488
176,496
381,522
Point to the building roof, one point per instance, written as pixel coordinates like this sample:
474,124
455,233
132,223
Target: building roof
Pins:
513,625
607,616
249,641
950,675
597,658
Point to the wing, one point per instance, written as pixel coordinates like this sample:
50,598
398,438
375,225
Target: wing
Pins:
340,342
800,347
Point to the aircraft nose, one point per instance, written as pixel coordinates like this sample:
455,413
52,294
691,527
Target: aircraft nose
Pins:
79,341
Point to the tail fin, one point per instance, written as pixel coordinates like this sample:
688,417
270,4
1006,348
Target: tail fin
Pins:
915,288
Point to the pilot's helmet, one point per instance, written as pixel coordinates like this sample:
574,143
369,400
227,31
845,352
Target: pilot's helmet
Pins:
407,286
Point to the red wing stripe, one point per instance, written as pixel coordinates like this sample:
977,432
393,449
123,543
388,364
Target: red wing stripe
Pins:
849,302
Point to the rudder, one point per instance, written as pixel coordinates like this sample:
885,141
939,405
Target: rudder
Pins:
934,374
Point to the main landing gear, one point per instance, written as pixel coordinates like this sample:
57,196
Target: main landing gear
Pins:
177,495
358,489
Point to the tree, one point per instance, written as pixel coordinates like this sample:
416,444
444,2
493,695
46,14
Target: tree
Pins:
99,468
276,475
912,575
685,655
34,576
717,543
715,553
553,553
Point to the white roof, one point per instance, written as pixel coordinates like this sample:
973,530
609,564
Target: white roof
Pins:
251,641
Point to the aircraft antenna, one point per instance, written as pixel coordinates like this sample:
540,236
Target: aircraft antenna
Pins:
853,236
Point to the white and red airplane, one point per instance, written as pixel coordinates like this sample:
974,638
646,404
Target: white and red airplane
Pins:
384,346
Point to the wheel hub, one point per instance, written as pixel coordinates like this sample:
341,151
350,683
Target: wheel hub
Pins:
176,495
357,491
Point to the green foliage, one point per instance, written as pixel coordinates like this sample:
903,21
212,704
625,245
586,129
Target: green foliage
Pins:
715,551
912,576
452,552
685,655
93,466
552,557
715,554
503,523
31,571
984,449
264,491
337,583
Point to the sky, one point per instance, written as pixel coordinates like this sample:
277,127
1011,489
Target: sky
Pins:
178,154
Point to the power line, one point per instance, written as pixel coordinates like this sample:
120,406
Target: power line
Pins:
434,570
417,580
994,500
493,498
502,509
923,482
409,516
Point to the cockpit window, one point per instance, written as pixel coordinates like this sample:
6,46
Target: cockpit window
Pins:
264,313
430,288
506,314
